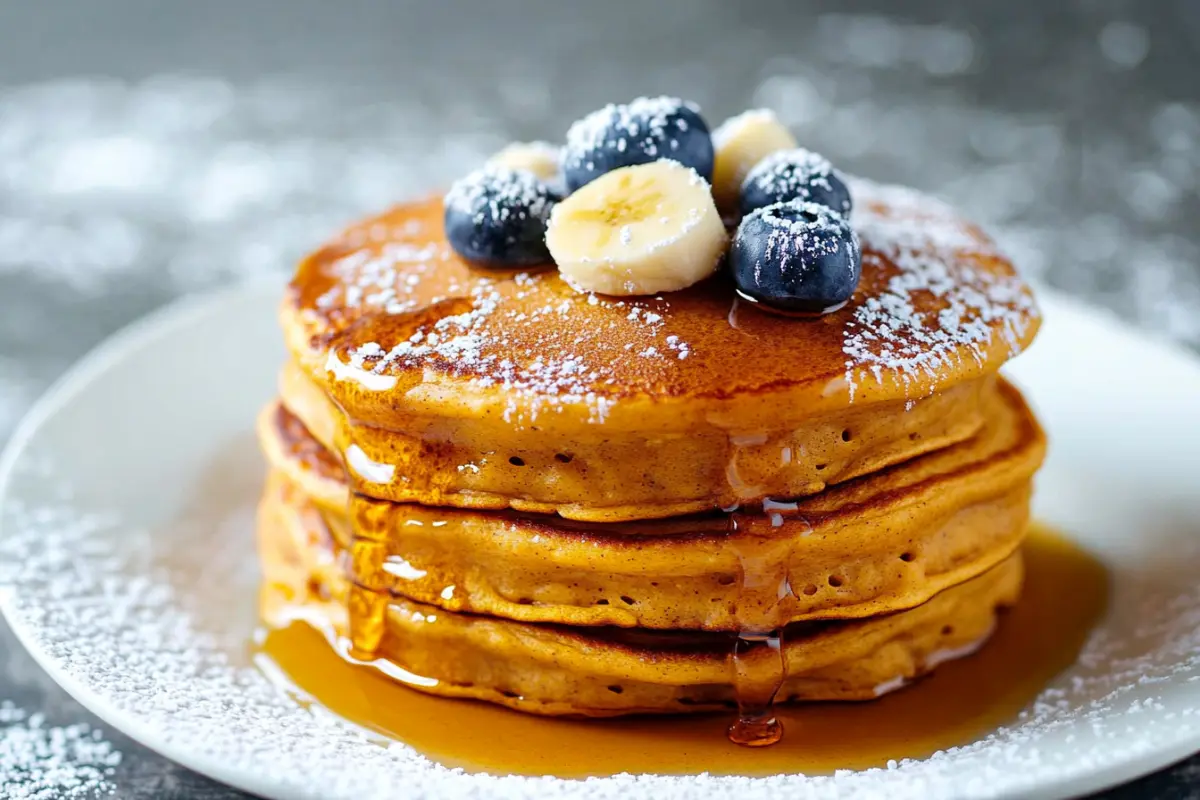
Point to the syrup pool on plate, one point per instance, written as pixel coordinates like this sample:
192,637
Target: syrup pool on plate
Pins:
1065,595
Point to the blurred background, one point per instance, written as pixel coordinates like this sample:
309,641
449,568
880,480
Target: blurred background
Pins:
152,149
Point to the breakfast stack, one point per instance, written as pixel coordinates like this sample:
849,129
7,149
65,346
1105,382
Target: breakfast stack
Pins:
658,420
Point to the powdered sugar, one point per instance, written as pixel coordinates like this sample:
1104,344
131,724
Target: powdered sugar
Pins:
796,234
43,762
797,174
975,306
647,124
547,375
495,193
453,339
650,127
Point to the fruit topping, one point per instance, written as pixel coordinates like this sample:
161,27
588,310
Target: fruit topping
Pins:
640,132
740,143
638,230
796,174
540,158
496,216
796,257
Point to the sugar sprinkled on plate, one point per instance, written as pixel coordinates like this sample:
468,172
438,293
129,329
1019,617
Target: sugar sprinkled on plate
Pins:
46,762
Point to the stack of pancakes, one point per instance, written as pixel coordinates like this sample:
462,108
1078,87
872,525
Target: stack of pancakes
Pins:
488,485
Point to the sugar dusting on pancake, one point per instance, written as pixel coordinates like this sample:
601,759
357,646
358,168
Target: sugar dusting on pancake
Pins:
391,299
388,282
924,237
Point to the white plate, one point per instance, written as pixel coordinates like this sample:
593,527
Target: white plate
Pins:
126,518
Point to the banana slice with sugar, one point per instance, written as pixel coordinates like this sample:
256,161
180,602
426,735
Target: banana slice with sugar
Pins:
740,143
638,230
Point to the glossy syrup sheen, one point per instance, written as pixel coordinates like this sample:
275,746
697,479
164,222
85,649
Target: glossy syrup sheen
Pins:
1065,595
394,275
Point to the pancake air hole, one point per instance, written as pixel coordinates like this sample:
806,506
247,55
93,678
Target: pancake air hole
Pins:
946,631
846,435
907,557
820,467
516,462
835,581
726,580
601,602
615,689
810,590
562,458
627,600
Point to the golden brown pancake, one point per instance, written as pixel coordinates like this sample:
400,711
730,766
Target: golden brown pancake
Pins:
601,480
871,546
554,669
475,388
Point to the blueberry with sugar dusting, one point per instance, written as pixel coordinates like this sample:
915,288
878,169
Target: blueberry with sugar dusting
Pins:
645,130
797,174
796,257
497,217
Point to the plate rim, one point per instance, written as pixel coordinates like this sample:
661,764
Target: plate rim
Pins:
187,310
180,312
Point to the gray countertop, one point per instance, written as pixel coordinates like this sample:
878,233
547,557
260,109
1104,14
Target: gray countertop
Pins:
148,151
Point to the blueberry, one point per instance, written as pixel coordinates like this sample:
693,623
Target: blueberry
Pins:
798,257
648,129
497,217
794,175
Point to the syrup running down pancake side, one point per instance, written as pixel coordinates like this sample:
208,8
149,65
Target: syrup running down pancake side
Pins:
1065,594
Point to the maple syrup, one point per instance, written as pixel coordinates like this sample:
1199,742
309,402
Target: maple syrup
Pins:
756,664
1065,594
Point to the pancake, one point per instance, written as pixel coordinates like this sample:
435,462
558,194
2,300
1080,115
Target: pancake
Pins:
606,478
881,543
488,389
559,670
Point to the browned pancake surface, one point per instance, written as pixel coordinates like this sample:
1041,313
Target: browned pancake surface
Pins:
937,304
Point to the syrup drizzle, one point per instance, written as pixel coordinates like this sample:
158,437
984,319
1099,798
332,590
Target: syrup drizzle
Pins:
757,665
758,671
368,599
1065,594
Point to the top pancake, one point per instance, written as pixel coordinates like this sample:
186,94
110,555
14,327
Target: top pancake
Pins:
392,323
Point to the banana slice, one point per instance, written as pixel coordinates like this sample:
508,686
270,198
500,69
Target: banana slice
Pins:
740,143
540,158
643,229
